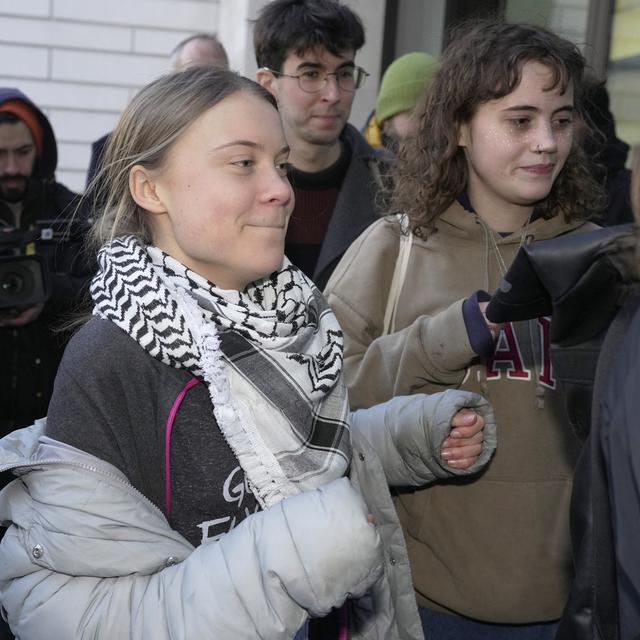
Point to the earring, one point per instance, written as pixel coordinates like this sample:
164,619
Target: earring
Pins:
538,149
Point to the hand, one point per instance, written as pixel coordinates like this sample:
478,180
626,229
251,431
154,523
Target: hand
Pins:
22,317
464,444
494,328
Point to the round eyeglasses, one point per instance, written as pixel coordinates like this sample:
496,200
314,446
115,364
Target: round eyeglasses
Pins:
313,80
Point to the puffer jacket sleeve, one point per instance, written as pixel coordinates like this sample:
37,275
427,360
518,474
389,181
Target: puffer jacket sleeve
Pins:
262,580
427,355
407,433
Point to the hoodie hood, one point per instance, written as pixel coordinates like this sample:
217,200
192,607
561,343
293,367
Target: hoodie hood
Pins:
45,165
459,222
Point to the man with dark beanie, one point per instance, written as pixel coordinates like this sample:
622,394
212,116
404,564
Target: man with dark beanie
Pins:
305,50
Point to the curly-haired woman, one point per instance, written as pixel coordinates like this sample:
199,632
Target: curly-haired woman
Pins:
496,163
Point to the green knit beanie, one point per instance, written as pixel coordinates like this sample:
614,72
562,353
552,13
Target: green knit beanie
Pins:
403,83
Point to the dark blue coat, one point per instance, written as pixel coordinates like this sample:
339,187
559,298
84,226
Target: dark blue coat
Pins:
620,441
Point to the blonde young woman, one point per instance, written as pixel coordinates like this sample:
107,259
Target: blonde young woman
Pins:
199,474
496,163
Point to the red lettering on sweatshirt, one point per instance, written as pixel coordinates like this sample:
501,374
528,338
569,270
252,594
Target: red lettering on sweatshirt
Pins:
508,355
546,373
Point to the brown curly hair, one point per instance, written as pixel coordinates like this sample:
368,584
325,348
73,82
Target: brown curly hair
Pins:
484,62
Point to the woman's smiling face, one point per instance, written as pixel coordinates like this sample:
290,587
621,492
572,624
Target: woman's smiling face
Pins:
516,146
223,194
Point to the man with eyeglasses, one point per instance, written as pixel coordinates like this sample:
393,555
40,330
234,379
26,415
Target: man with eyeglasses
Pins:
305,50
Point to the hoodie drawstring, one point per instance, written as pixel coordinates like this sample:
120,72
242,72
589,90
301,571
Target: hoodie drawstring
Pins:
491,246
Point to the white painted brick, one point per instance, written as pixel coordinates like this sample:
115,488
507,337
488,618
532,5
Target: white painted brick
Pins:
40,8
7,81
80,126
106,68
23,62
72,179
168,14
64,34
157,41
74,155
235,34
50,94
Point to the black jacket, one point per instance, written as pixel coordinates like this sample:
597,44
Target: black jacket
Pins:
620,443
30,354
590,284
356,207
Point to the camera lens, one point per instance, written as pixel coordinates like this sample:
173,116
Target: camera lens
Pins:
12,284
21,281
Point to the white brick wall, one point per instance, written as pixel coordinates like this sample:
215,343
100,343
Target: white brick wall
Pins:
81,60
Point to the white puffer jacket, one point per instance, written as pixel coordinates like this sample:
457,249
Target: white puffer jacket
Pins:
87,556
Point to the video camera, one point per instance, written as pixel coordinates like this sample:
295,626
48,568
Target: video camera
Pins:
24,279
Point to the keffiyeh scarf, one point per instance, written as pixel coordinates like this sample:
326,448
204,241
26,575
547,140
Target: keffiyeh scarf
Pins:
271,357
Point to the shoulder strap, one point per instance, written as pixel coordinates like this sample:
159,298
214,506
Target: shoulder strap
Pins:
399,274
167,444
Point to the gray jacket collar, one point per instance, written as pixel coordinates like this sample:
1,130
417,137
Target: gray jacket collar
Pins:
30,447
87,505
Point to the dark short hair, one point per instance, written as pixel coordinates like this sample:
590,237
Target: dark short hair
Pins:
285,26
6,117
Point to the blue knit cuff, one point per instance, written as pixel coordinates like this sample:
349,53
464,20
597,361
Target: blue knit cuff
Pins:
480,337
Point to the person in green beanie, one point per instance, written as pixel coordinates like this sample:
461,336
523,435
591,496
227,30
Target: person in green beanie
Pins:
402,85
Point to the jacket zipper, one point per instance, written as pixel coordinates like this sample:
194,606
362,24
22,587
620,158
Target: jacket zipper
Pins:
86,467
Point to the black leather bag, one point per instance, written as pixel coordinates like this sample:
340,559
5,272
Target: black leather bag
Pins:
581,280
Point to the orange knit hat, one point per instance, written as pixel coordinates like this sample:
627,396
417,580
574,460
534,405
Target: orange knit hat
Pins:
27,115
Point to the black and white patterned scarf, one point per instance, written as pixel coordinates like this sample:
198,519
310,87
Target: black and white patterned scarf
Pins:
271,357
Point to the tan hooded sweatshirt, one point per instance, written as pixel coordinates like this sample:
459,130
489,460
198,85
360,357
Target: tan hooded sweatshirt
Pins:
494,547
